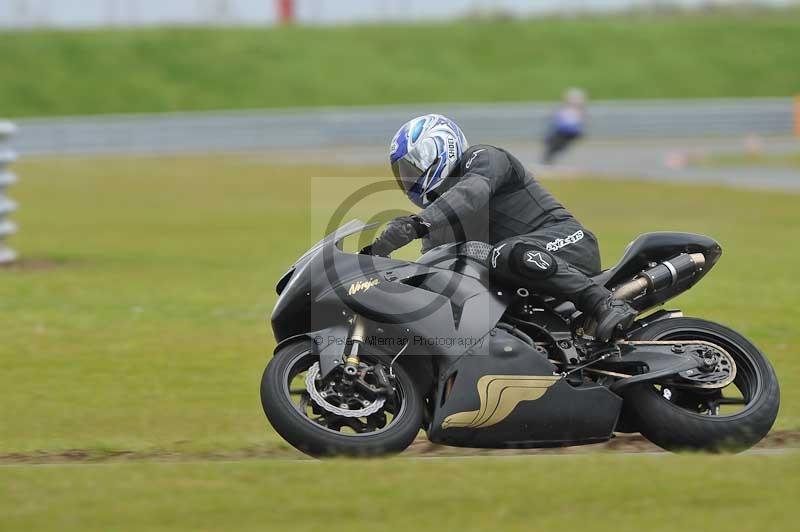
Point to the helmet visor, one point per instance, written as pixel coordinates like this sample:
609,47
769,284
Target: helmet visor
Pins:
406,173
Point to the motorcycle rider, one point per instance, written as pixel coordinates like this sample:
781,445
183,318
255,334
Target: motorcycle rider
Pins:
484,193
567,124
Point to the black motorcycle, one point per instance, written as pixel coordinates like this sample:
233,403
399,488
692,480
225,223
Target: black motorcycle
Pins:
371,350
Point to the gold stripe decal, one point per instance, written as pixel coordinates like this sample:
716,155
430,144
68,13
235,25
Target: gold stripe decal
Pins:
500,395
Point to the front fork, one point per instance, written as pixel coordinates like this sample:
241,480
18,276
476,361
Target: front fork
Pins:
357,339
352,359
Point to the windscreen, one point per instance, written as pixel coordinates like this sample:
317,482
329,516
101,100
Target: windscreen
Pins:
350,228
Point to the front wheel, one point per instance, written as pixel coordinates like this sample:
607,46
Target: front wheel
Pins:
700,417
339,416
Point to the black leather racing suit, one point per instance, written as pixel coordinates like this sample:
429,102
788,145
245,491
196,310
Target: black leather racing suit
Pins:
538,244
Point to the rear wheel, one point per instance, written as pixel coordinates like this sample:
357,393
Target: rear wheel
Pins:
731,415
332,416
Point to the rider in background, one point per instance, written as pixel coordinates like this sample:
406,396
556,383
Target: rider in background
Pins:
566,126
483,193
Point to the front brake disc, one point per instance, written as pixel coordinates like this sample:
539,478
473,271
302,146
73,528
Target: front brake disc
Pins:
311,387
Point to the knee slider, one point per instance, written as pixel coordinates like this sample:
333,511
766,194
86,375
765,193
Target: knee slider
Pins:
532,262
520,262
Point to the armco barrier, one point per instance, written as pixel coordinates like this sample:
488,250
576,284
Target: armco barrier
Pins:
7,206
312,128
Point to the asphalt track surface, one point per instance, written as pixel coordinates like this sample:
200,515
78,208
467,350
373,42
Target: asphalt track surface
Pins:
664,160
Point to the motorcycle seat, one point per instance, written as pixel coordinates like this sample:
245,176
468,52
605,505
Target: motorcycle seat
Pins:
636,254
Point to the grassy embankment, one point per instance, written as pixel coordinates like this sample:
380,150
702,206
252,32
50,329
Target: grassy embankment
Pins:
719,54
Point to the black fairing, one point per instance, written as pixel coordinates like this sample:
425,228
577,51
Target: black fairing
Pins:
405,299
563,415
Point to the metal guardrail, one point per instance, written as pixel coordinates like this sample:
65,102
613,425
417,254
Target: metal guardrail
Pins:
134,13
7,206
299,128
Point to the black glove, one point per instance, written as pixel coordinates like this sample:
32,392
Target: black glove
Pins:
398,233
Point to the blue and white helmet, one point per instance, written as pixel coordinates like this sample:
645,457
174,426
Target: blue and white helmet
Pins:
423,152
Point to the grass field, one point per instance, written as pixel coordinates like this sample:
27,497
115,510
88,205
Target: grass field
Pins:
596,493
138,323
766,160
719,54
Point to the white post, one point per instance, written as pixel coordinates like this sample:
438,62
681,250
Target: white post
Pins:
7,206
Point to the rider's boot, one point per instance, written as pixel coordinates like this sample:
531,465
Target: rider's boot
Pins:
608,316
612,316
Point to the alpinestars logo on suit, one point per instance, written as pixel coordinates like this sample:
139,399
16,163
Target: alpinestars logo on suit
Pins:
537,259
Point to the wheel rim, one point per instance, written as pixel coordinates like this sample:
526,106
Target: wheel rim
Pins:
731,401
294,388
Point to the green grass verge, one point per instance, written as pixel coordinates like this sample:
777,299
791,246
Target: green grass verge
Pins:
718,54
594,492
766,160
139,321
